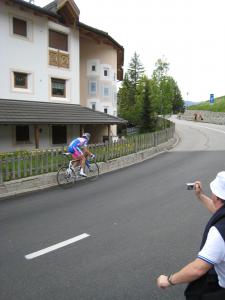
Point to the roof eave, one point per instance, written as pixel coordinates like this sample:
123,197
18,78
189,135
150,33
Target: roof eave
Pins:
119,48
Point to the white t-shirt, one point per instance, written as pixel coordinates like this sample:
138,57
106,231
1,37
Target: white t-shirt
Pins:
213,252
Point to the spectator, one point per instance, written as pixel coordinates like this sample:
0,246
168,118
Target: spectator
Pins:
206,274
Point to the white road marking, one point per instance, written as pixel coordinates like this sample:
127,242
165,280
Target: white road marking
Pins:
218,130
57,246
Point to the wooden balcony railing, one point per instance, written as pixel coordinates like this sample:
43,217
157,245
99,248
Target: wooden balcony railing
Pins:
59,59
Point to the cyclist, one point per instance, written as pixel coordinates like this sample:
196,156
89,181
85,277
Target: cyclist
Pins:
78,149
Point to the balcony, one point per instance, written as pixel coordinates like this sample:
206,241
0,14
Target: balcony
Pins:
59,59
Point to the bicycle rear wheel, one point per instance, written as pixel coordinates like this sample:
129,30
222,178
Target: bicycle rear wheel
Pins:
92,171
64,178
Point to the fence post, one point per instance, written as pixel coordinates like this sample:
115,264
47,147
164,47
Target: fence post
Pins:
13,168
136,143
18,166
31,164
155,139
1,175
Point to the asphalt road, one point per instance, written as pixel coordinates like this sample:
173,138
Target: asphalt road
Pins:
139,222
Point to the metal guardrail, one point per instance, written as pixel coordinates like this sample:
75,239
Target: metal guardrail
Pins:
21,164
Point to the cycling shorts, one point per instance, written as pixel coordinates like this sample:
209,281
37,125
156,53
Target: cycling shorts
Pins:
76,152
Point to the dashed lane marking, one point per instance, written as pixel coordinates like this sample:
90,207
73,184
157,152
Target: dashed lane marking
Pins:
57,246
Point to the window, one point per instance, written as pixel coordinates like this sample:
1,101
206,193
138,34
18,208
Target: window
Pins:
106,72
92,87
19,27
105,110
59,134
93,68
58,40
105,139
106,91
20,80
22,133
58,87
93,106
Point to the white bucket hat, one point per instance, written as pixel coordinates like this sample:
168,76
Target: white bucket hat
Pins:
218,185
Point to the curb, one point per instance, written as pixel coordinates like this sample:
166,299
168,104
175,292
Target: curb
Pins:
46,181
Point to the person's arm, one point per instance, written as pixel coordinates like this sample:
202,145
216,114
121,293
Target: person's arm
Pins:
205,200
86,151
189,273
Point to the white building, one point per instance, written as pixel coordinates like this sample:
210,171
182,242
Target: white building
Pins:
49,56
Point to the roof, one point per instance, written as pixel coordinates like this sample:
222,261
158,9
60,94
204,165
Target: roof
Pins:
99,32
35,112
44,11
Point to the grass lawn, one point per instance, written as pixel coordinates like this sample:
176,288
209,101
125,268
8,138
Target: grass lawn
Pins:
217,106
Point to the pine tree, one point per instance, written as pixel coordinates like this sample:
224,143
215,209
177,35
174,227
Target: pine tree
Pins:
147,120
135,70
128,91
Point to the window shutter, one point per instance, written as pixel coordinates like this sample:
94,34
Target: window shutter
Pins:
58,40
19,27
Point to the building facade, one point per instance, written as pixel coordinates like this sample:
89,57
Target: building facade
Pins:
49,56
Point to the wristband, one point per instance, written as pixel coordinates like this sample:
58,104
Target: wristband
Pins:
169,279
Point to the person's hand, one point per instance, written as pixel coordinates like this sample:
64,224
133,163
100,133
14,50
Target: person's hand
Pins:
162,282
198,188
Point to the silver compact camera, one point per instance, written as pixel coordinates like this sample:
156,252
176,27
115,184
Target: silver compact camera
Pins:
190,186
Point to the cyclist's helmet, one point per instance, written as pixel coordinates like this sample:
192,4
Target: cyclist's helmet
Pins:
86,135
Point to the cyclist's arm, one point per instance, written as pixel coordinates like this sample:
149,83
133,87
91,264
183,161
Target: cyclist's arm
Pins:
86,151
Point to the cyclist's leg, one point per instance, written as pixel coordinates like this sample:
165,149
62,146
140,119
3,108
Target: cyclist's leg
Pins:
83,160
76,158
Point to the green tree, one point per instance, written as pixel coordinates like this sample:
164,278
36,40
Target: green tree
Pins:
159,77
128,91
177,100
135,70
168,96
161,70
145,108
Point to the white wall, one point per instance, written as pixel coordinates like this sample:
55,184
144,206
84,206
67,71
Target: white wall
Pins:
8,143
102,56
7,139
31,56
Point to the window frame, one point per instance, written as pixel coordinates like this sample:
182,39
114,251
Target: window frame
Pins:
104,88
29,27
60,80
107,72
14,18
22,141
16,86
91,92
93,106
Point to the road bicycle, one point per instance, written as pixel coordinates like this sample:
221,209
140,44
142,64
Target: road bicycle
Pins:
69,174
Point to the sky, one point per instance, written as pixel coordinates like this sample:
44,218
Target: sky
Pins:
188,34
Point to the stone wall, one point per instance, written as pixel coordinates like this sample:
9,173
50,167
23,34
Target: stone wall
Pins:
208,116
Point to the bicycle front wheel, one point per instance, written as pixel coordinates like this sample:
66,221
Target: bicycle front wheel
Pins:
64,178
92,171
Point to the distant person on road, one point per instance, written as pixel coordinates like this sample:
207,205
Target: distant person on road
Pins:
200,116
79,150
206,274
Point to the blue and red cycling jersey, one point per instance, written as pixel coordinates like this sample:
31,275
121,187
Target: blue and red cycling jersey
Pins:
77,144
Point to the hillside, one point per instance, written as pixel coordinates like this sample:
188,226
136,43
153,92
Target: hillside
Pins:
218,106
